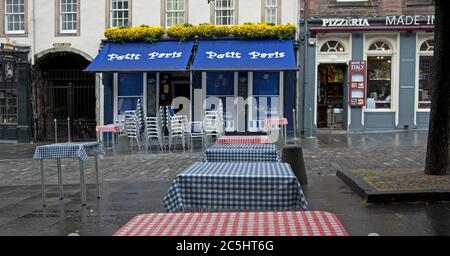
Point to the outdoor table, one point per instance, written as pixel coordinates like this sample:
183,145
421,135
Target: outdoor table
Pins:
69,150
303,223
236,186
109,128
242,153
279,122
263,139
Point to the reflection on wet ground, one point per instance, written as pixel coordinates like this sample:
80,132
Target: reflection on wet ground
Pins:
136,183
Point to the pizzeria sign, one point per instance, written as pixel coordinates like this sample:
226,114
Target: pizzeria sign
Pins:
401,20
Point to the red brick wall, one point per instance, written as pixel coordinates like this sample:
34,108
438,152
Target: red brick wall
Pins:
332,8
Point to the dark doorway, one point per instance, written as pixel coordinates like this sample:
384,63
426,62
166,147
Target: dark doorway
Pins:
172,85
330,96
65,91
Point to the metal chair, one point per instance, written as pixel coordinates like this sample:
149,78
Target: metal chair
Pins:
133,130
176,126
153,130
195,130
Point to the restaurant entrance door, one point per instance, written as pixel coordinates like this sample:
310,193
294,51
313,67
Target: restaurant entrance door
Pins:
173,85
331,100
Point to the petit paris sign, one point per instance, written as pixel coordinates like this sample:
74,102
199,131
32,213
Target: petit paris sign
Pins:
402,20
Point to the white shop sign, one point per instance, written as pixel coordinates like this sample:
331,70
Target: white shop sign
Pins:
238,55
402,20
151,56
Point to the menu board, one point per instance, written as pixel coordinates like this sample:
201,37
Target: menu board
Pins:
357,83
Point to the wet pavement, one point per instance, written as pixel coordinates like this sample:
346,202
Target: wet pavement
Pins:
136,183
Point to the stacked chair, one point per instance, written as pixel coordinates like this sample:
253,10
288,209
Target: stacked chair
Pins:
134,124
213,122
153,130
176,126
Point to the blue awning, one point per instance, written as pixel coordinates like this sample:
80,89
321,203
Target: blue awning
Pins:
158,56
248,55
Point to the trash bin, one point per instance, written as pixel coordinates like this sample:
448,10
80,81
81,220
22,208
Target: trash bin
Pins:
276,136
123,145
293,155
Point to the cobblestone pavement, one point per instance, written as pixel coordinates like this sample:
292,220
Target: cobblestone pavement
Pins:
133,167
136,183
323,156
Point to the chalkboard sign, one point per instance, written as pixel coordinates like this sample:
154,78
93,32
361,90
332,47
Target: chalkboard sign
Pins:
151,95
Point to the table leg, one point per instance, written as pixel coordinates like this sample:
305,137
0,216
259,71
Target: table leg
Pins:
60,181
43,182
83,188
113,141
96,176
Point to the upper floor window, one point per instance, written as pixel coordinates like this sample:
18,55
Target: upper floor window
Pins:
175,10
332,46
119,13
68,11
271,11
224,12
14,16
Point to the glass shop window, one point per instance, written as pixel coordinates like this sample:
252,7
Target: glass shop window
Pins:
8,106
379,84
130,89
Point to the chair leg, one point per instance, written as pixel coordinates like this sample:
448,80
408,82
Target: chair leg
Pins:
183,142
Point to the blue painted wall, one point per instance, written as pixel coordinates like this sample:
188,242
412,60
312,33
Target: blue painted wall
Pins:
407,80
108,97
290,80
309,91
357,54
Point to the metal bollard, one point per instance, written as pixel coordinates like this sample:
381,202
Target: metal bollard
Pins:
56,131
68,129
311,125
295,124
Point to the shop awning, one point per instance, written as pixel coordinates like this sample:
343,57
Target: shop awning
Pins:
246,55
157,56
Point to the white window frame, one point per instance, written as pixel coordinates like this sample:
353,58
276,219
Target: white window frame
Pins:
393,44
116,116
112,11
219,9
7,31
332,58
273,8
61,15
420,40
167,11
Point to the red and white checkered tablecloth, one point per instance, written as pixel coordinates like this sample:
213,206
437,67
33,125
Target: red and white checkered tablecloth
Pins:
277,121
109,128
261,139
302,223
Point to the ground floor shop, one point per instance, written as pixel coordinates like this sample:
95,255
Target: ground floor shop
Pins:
373,75
253,81
15,94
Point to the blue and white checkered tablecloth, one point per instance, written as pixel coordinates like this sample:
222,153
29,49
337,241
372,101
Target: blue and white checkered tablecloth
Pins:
68,150
236,186
242,153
